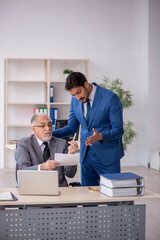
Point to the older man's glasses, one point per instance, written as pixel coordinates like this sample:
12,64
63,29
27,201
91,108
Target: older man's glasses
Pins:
43,125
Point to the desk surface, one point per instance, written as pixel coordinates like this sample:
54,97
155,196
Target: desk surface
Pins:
72,195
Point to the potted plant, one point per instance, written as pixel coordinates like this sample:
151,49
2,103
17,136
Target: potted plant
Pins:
67,72
127,101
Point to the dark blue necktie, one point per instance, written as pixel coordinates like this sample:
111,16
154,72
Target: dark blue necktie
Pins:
88,111
46,153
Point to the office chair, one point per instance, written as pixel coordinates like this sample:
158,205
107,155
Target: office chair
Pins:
62,123
75,184
16,169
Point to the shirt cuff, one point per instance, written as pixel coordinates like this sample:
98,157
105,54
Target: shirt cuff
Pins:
39,167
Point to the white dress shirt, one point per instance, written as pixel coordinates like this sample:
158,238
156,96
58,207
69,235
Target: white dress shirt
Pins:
91,98
42,146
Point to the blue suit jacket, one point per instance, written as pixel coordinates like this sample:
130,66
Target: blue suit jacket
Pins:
106,118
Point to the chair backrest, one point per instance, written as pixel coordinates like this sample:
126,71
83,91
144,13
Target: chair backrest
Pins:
16,169
60,123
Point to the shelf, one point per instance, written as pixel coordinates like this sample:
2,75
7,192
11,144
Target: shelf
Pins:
19,125
55,82
27,81
60,103
29,103
27,86
54,103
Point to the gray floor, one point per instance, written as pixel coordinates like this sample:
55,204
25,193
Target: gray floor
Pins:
152,182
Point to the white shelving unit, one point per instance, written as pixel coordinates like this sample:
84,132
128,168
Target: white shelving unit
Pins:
27,85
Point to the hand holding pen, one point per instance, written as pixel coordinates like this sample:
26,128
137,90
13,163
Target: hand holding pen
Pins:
74,137
73,145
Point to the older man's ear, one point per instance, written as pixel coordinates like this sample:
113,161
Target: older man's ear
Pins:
33,129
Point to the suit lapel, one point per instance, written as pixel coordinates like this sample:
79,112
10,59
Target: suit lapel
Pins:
80,115
96,102
37,149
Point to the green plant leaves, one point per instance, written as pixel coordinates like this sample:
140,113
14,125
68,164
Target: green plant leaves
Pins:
116,86
67,71
129,134
127,101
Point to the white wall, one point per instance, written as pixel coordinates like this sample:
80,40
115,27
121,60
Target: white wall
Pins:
113,34
154,76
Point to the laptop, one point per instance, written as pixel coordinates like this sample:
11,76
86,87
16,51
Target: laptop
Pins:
32,182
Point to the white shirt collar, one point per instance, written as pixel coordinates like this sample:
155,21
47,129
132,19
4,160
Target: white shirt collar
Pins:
40,142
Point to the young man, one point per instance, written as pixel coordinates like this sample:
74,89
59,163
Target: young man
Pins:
37,152
99,111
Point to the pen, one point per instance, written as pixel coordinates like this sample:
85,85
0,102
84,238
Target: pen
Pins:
92,189
74,137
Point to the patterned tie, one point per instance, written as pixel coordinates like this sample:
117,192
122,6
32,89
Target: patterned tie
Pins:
46,153
88,111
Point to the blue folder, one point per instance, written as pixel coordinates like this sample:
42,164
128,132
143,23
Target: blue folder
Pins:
126,179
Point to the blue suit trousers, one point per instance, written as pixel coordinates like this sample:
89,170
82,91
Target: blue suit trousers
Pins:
91,168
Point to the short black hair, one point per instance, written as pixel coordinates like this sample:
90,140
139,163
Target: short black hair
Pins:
75,79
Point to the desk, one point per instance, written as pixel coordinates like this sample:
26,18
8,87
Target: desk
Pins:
75,214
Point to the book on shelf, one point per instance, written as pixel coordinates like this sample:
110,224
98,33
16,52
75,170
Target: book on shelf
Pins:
122,192
40,110
7,196
45,110
53,115
11,146
15,141
51,94
36,110
126,179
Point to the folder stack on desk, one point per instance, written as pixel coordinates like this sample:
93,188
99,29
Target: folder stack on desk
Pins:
121,184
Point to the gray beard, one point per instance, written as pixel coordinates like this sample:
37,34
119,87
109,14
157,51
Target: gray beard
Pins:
45,139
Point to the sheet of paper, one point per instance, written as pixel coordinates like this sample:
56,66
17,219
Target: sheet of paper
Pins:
11,146
67,159
5,196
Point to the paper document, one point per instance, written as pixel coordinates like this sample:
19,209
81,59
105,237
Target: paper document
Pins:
122,192
67,159
11,146
7,196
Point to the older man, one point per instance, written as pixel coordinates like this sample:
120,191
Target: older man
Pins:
37,152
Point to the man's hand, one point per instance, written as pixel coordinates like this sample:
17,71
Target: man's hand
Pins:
49,165
94,138
73,147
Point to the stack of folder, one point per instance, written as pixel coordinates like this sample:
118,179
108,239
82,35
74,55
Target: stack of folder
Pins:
51,94
121,184
53,115
38,110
